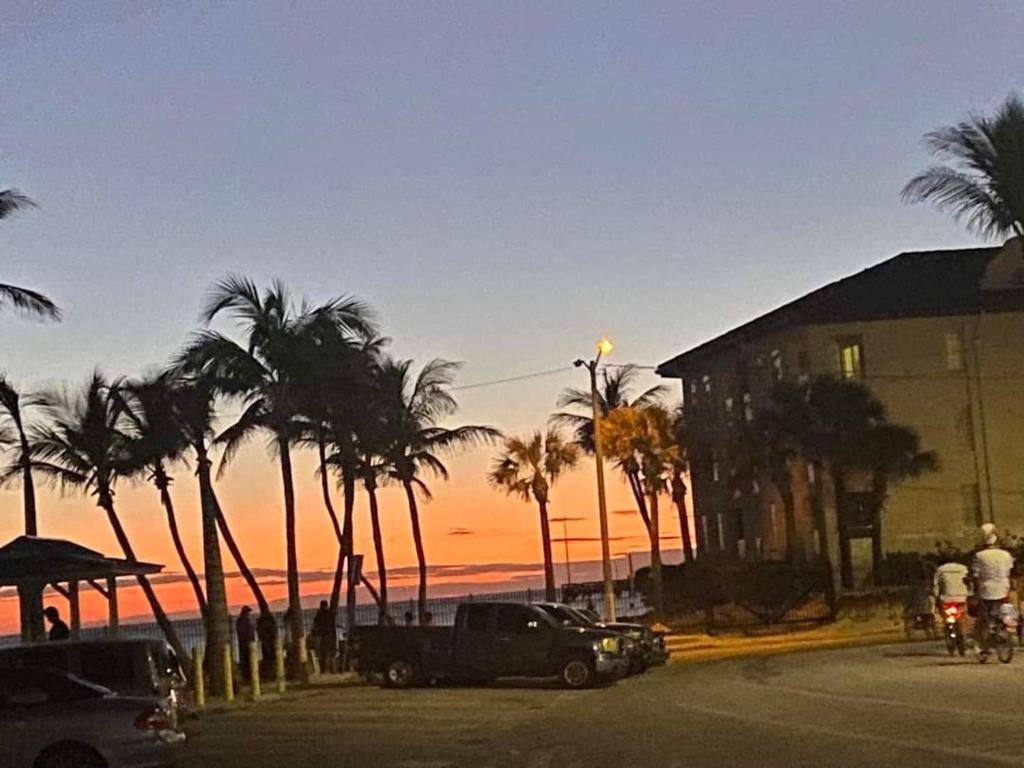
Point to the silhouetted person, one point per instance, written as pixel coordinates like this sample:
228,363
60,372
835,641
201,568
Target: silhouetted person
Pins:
408,618
428,618
266,633
245,635
325,636
58,629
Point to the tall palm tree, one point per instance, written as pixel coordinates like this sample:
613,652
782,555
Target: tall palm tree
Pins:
680,466
528,467
416,443
193,411
24,300
615,390
12,404
983,180
646,437
83,447
156,440
281,343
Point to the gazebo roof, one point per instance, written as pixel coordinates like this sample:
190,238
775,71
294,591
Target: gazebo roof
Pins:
31,558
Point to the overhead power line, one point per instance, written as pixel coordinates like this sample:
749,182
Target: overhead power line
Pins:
508,379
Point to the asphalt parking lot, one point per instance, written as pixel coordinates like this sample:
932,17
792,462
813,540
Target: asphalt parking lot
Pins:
900,705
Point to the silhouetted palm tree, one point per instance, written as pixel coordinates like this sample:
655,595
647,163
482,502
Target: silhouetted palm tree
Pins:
156,440
614,391
415,440
646,437
528,468
193,408
12,404
83,447
983,182
23,299
680,465
265,374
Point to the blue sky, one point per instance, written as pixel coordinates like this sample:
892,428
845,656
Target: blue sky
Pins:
504,181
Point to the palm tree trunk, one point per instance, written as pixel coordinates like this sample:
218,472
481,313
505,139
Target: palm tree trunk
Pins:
162,481
295,618
375,595
549,563
378,549
348,493
679,498
106,503
236,554
28,488
845,554
636,486
656,582
879,488
421,558
218,621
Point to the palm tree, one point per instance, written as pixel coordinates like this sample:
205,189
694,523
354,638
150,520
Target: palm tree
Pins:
529,467
646,438
614,391
83,447
680,465
265,374
12,403
155,440
850,431
193,407
23,299
416,443
983,182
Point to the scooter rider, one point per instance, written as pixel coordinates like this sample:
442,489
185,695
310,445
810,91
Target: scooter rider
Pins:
990,573
951,582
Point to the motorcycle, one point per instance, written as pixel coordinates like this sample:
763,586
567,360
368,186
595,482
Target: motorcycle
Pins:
1002,625
952,614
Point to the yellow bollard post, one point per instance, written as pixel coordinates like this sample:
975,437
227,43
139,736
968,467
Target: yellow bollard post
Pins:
254,672
198,682
279,664
229,675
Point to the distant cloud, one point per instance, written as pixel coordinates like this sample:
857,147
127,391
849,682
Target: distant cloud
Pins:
460,532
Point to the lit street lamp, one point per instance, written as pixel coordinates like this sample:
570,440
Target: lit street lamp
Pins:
604,347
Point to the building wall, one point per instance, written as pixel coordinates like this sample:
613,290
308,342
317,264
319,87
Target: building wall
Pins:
913,366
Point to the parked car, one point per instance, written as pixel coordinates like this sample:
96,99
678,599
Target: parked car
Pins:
51,719
649,645
488,641
132,667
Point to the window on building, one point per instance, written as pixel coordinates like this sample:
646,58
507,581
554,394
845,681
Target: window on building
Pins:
810,473
758,547
707,384
748,408
721,532
728,405
693,387
714,468
971,503
704,532
954,352
777,364
851,357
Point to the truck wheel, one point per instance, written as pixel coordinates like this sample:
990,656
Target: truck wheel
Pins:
577,673
400,673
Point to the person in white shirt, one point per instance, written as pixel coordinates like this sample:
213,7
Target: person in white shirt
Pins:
990,574
951,582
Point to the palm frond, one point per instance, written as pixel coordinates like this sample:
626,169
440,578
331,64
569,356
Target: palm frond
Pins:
235,294
253,418
12,201
29,302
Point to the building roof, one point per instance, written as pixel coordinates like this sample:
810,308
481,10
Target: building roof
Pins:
911,284
31,558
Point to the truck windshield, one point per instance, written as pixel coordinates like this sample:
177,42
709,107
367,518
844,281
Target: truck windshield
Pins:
563,615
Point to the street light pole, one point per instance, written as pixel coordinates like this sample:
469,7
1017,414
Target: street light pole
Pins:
603,346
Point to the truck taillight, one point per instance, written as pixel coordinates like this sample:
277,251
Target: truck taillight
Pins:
153,718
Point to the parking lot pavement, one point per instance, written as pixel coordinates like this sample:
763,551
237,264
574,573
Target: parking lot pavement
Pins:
903,705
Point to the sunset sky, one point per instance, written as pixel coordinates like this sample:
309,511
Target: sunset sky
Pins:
505,183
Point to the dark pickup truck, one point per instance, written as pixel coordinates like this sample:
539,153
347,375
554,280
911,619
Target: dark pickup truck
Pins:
488,641
648,646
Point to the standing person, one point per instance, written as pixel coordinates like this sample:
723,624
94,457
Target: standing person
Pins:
428,618
58,629
325,636
266,633
245,634
990,572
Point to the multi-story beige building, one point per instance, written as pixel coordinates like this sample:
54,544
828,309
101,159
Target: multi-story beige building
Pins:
938,336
